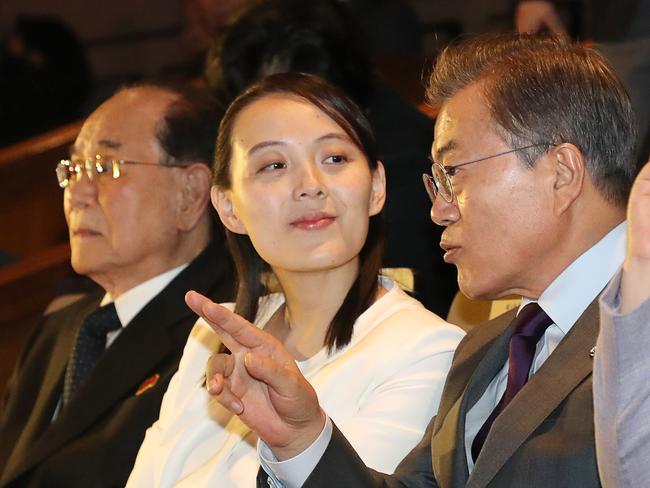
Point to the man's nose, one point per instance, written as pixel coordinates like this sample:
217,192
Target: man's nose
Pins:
81,190
443,212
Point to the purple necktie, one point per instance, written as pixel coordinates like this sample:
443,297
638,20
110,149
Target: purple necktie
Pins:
530,325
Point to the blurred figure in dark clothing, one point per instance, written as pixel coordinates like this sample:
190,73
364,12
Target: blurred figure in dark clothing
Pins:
44,78
391,26
322,38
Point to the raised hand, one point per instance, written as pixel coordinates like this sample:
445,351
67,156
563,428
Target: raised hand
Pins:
535,16
635,287
260,382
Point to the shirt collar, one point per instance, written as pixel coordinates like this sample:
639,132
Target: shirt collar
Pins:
129,303
569,295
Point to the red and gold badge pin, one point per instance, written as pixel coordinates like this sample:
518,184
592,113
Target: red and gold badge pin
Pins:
147,384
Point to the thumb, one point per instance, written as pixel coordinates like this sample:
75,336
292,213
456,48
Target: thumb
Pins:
277,376
293,397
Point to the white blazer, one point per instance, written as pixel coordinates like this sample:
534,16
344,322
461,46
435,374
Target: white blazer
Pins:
381,390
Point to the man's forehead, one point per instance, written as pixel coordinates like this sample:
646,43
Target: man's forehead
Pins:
81,145
444,138
463,120
129,117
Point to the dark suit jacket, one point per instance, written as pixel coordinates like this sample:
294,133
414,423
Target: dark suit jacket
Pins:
95,438
544,438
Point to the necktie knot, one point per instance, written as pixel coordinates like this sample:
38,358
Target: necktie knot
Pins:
532,322
102,321
90,343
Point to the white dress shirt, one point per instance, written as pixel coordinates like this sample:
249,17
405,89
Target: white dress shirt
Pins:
564,300
129,303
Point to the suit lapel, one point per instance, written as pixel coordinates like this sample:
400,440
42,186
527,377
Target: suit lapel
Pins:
52,383
475,365
157,331
565,368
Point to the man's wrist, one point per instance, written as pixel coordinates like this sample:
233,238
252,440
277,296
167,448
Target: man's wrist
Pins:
305,438
292,473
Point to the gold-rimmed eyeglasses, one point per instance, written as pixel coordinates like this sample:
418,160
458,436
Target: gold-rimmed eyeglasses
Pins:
439,182
69,170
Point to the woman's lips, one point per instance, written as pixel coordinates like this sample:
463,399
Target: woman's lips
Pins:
313,221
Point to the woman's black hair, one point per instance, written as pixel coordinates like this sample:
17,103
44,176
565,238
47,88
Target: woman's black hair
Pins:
250,266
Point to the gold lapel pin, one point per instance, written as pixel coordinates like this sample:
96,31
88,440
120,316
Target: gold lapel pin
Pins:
147,384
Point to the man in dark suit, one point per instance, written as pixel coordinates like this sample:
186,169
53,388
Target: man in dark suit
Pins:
534,149
91,378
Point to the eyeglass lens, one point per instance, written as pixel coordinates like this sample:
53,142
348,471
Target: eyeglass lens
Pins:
68,171
443,183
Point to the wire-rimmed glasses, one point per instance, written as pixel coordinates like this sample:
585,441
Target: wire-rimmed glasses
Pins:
68,170
439,182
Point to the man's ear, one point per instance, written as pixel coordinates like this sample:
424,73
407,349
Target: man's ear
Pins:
378,190
569,175
194,194
226,210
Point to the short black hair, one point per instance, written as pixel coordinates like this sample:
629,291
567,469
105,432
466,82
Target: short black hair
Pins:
542,90
188,129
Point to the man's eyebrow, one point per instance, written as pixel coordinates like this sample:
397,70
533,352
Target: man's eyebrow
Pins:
440,152
107,143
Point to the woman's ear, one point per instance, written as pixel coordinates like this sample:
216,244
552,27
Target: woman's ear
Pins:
226,210
378,190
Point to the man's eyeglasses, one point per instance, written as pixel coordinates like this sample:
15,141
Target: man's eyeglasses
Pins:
439,182
69,170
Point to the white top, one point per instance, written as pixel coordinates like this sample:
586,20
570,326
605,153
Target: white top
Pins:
381,390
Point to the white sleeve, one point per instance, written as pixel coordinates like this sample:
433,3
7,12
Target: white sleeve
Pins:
292,473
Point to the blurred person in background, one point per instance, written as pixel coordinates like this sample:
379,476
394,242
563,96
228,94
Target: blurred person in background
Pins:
44,78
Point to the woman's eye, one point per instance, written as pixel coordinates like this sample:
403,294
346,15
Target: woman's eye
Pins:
274,166
335,159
